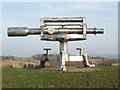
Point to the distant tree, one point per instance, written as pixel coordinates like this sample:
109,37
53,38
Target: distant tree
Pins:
8,57
96,57
36,56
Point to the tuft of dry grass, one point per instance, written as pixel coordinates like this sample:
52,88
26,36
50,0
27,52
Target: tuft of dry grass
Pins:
18,63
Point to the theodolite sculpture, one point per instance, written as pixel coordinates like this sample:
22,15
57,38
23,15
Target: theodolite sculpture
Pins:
60,29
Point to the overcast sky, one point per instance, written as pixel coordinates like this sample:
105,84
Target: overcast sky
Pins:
28,14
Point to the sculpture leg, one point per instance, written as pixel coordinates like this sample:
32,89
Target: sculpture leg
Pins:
86,62
63,52
63,67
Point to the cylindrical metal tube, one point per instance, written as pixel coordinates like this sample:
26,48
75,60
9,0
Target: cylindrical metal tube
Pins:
76,19
24,31
17,31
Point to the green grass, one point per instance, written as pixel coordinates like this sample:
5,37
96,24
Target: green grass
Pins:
107,77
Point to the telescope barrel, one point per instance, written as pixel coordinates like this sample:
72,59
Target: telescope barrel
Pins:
24,31
95,31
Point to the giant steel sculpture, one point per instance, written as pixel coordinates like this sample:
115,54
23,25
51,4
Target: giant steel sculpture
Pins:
60,29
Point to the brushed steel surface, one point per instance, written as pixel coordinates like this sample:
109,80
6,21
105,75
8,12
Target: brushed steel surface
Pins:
24,31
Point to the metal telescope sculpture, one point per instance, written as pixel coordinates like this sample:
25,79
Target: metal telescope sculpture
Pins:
63,30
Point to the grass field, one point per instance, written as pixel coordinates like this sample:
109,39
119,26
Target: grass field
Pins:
107,77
